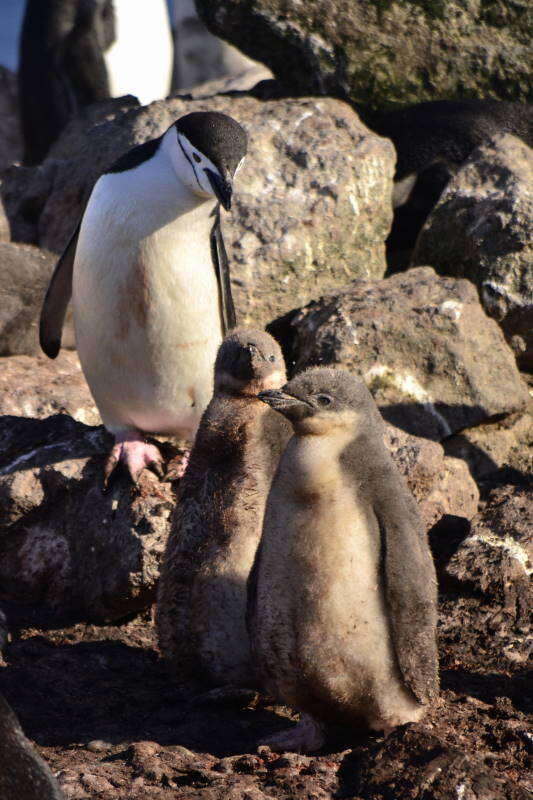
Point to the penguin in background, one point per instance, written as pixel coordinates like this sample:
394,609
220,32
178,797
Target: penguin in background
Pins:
201,606
77,52
150,284
342,597
432,141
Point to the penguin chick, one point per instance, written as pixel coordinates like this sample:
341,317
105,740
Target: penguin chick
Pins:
150,284
217,525
342,596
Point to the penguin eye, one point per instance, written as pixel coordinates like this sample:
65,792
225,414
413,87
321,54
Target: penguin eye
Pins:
272,358
196,157
323,400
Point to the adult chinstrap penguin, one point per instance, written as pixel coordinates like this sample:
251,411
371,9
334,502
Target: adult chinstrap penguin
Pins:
74,53
342,595
218,519
150,284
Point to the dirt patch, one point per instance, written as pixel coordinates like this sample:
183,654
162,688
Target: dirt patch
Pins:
100,708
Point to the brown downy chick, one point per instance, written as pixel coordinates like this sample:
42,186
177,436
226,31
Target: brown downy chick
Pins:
218,521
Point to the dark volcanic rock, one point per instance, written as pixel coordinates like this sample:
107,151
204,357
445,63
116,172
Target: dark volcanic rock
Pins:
23,773
501,447
311,205
442,486
433,360
496,559
66,547
24,272
399,51
482,229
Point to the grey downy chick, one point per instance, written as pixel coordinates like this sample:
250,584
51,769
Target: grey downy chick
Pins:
342,597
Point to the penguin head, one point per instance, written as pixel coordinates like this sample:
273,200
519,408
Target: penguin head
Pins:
207,149
249,361
322,400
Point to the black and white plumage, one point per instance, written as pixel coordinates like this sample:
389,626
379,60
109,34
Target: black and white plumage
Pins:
342,596
77,52
150,283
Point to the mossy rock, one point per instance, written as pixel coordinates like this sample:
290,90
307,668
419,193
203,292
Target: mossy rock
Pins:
384,53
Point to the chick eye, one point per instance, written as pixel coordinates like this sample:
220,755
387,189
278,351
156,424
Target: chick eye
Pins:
323,400
272,358
196,157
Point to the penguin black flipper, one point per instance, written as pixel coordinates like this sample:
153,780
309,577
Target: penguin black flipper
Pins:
221,264
411,597
24,775
57,299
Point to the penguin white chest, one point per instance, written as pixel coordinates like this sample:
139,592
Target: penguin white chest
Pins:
146,308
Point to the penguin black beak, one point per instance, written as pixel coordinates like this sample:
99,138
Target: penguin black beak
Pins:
221,186
291,407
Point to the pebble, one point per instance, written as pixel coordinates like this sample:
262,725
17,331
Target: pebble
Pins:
98,746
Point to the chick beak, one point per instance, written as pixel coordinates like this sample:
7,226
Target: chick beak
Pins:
291,407
221,186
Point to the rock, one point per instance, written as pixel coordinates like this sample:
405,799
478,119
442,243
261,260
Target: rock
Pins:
241,82
311,207
435,363
500,447
401,51
441,485
198,55
35,386
482,229
496,559
25,272
60,536
65,547
10,133
5,228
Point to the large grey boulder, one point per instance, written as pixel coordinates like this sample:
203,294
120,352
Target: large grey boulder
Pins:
311,206
482,229
35,386
383,52
433,360
24,275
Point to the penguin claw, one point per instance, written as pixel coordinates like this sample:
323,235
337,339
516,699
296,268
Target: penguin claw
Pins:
136,454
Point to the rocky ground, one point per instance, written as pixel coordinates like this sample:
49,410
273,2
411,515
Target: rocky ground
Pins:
445,347
98,704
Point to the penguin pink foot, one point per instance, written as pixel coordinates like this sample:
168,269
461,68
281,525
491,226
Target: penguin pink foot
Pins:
136,454
306,737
